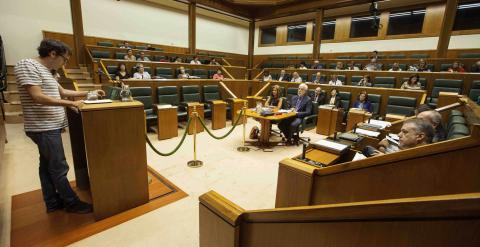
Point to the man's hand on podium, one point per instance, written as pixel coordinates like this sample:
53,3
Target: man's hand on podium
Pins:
75,104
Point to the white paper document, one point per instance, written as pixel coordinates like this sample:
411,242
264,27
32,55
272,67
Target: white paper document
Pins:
367,132
382,124
332,145
284,111
100,101
359,156
164,106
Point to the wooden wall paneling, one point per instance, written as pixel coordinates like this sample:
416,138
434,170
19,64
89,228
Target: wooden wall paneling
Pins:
251,44
192,20
384,18
342,28
281,35
294,172
309,32
446,29
77,26
433,19
317,39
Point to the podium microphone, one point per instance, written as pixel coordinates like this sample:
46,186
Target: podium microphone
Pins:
304,150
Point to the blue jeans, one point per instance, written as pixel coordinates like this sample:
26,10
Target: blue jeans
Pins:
53,169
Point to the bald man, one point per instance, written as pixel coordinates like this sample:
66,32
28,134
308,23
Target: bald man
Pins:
435,119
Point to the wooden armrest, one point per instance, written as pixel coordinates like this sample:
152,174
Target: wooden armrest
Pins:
223,207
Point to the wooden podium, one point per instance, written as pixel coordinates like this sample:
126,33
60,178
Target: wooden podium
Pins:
167,122
235,106
109,154
356,116
219,114
329,120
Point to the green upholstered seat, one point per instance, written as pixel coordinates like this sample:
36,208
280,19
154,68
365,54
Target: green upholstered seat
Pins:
158,49
120,55
310,122
345,99
444,85
141,47
112,70
202,73
360,57
112,93
211,92
343,57
291,91
474,90
419,55
397,56
341,78
469,55
375,100
192,94
401,105
332,65
355,79
168,95
385,82
304,77
144,95
105,43
100,54
159,58
166,73
445,66
458,130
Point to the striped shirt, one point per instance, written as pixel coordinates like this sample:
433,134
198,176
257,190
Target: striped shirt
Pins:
37,117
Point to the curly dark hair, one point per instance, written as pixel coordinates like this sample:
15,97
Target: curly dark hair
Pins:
49,45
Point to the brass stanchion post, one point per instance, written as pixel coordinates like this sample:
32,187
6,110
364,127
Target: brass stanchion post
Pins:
194,163
244,148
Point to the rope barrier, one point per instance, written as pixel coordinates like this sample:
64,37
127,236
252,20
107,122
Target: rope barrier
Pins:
176,148
228,133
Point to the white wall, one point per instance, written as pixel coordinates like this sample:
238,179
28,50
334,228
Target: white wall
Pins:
215,35
22,22
464,41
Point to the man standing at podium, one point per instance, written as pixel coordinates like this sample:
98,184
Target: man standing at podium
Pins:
43,102
302,105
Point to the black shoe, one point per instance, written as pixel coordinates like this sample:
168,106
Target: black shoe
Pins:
80,207
59,206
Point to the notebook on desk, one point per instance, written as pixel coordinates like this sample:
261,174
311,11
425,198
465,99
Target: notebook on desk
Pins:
331,146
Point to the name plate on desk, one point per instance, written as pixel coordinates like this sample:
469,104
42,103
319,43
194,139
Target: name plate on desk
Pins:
331,146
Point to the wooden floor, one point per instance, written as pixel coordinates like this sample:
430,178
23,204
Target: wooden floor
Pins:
32,226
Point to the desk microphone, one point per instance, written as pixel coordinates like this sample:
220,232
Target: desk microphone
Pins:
355,128
304,151
335,136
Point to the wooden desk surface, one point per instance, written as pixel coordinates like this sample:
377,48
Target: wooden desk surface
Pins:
254,114
321,156
106,106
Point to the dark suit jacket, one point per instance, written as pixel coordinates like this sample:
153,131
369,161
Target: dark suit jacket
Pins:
320,99
285,78
305,106
338,101
366,105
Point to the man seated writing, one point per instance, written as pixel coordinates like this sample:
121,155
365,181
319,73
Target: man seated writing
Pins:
302,105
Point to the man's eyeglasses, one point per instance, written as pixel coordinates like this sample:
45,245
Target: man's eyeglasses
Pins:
65,59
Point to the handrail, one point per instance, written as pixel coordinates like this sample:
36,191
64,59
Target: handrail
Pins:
226,62
261,73
227,89
89,53
105,71
227,73
262,89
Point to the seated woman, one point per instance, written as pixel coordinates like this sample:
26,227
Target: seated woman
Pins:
365,81
334,98
130,56
456,67
182,74
275,98
267,76
178,60
302,66
413,83
122,72
335,81
363,103
218,75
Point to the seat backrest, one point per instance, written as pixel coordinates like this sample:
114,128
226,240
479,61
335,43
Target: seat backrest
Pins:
304,77
291,91
100,54
475,90
458,130
401,105
445,66
191,94
314,108
420,55
343,57
332,65
211,92
341,78
456,120
144,95
345,98
386,82
446,85
112,93
356,79
105,43
431,67
469,55
164,72
158,58
141,47
360,57
375,100
112,69
202,73
167,95
120,55
395,56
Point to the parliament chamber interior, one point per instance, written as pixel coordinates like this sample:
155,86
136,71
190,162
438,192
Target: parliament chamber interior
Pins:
235,123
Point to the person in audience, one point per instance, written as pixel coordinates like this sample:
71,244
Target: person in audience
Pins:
125,44
302,105
365,81
335,81
319,96
150,48
266,76
302,66
275,98
456,67
372,66
420,67
413,83
142,57
476,67
362,102
178,60
415,132
182,74
141,73
395,67
435,119
121,72
317,78
351,66
291,66
283,76
334,98
339,66
195,60
375,54
421,108
316,65
218,75
214,62
129,56
296,77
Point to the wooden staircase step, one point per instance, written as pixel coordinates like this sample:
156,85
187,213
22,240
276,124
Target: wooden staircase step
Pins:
12,86
12,95
13,117
13,107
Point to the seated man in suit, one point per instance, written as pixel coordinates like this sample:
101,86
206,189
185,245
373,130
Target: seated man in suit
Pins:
319,96
283,76
317,78
435,119
302,105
